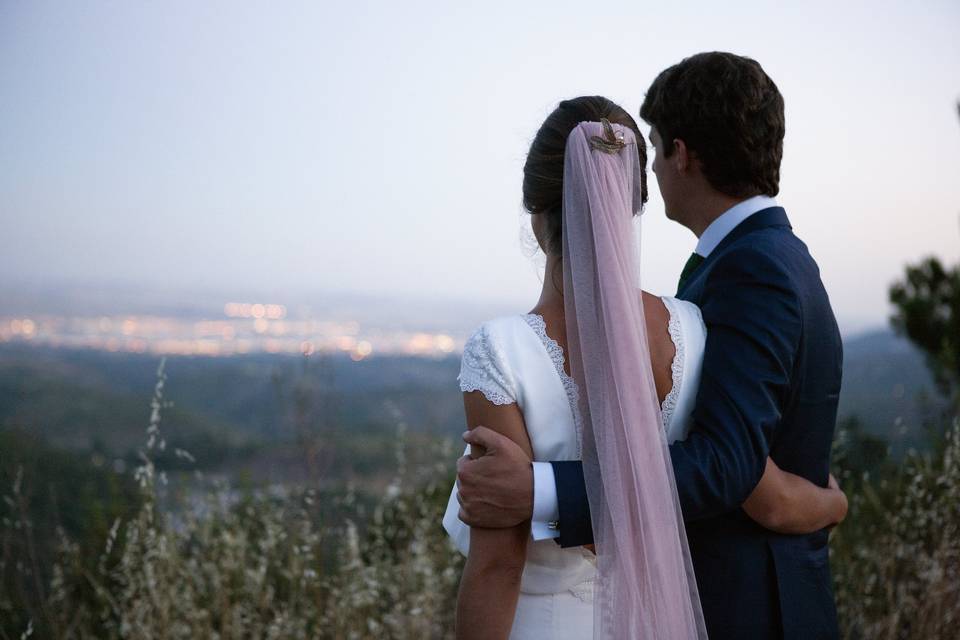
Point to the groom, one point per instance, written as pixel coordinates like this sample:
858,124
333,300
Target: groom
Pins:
771,369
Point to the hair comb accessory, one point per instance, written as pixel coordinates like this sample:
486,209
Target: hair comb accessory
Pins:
612,140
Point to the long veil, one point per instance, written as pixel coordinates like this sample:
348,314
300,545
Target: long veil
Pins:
645,586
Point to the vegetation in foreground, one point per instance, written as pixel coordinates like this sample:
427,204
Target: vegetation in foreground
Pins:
259,566
278,565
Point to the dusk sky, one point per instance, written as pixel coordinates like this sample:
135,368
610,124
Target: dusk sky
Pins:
377,147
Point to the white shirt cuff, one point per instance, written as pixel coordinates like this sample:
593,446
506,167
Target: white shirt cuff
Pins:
546,513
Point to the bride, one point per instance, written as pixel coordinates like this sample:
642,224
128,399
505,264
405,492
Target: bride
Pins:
603,372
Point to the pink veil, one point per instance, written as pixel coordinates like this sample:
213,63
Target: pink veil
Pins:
645,586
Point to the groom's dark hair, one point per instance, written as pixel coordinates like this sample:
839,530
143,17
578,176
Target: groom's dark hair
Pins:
729,113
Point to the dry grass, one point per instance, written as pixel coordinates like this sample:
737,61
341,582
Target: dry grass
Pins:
268,566
263,566
896,560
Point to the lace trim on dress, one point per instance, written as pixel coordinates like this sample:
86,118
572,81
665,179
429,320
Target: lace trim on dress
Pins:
555,351
479,371
676,367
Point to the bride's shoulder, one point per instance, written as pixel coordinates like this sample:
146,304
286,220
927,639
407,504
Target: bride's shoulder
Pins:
501,325
675,305
489,363
497,332
683,313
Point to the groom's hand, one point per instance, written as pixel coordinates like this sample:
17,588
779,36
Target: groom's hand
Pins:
842,504
495,490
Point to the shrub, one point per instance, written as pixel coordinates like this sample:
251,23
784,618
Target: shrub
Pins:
896,558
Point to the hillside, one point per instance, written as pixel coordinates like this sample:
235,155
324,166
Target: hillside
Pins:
232,408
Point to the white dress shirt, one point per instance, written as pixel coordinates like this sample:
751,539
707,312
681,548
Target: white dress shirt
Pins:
728,221
546,512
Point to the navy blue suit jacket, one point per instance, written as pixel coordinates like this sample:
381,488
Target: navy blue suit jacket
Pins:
770,386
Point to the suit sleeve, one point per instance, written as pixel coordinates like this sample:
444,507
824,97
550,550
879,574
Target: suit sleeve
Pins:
574,524
754,323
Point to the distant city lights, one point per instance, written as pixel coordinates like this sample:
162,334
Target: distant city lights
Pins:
247,328
255,310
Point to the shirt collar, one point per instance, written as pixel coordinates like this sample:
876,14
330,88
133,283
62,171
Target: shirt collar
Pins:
728,221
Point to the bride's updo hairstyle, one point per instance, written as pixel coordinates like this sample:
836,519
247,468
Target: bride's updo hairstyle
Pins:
543,170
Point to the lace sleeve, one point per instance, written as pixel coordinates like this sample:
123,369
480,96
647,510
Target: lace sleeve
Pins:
676,335
481,370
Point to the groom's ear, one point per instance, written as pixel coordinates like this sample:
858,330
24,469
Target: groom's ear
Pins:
681,156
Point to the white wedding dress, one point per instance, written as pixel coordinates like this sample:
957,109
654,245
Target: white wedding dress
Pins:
513,360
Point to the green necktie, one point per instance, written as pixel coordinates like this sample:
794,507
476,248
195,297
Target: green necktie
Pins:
692,263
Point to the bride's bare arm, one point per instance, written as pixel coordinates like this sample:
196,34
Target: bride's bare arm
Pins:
787,503
490,585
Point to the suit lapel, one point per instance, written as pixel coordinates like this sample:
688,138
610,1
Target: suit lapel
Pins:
772,217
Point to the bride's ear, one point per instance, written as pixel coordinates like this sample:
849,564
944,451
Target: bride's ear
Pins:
538,223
